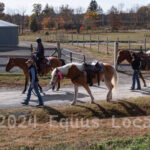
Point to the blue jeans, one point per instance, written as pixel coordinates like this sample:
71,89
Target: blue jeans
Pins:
135,78
36,91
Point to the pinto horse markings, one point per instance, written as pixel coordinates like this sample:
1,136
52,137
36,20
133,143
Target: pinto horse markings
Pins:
20,62
78,76
145,61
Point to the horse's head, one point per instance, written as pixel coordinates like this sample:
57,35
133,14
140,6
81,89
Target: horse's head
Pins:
124,55
10,64
56,76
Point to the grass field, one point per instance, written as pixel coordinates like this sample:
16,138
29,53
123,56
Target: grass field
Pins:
68,130
18,79
112,36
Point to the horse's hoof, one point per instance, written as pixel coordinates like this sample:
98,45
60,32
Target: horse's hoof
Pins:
73,103
92,102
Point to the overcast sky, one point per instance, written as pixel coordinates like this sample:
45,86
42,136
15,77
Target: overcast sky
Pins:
19,5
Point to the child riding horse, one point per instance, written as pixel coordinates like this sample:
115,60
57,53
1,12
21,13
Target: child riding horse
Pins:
20,62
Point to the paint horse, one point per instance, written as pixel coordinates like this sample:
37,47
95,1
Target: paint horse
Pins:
20,62
76,72
127,55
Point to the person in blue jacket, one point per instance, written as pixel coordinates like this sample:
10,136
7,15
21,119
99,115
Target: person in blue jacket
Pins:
39,54
33,84
136,66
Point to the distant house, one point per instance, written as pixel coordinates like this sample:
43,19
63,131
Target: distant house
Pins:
8,34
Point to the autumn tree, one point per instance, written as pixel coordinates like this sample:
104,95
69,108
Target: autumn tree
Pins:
91,19
48,15
66,15
143,15
114,18
48,11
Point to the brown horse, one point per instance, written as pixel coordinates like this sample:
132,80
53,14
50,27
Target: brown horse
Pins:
20,62
127,55
76,72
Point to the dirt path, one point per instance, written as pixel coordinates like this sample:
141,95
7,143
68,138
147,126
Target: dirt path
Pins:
65,95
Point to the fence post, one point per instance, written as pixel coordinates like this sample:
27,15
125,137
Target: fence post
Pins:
70,57
107,46
83,41
129,44
141,50
84,58
98,44
31,48
77,40
116,45
72,38
118,39
58,49
90,42
145,44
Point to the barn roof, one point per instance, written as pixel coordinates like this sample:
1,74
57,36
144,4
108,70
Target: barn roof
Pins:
7,24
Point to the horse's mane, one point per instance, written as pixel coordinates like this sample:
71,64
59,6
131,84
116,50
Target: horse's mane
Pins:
67,66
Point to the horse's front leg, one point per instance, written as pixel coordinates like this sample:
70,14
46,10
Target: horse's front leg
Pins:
75,95
25,86
141,76
89,92
58,86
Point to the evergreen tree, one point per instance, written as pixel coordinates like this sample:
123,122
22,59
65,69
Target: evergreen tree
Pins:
93,6
33,23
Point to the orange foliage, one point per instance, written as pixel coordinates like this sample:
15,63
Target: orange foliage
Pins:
45,22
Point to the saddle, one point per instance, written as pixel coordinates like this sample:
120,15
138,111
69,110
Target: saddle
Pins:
93,69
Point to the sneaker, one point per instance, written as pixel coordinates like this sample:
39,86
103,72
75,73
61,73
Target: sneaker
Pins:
39,105
24,103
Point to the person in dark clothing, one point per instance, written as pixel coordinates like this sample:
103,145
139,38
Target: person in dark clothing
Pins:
39,54
136,65
33,84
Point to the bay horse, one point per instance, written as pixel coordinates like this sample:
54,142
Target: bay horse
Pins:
20,62
127,55
76,72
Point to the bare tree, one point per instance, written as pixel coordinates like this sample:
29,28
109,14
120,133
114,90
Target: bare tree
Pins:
77,18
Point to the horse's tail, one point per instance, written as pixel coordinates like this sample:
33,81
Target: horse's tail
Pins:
114,80
63,62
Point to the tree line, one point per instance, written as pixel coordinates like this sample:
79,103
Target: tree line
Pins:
67,18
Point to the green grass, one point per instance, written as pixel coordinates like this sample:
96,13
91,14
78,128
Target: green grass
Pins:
142,143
